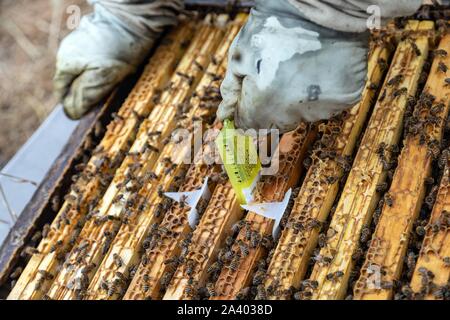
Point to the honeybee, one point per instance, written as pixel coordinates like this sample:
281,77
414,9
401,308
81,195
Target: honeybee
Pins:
388,200
261,293
365,234
234,264
395,80
267,242
446,261
189,79
259,277
228,255
36,236
373,86
117,260
199,66
211,289
150,147
189,291
243,247
165,280
183,201
381,187
400,92
45,275
255,239
442,67
440,53
243,293
118,198
443,159
145,287
237,227
344,163
416,49
190,267
332,179
215,267
56,245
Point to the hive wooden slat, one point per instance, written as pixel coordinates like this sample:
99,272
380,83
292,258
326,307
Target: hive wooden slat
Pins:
317,194
222,212
146,282
435,252
92,238
106,159
390,240
359,197
194,179
291,150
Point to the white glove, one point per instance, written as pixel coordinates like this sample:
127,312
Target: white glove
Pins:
284,69
107,46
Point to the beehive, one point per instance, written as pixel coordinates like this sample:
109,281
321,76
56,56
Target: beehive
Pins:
368,218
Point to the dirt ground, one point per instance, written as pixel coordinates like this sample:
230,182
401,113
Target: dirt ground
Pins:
30,32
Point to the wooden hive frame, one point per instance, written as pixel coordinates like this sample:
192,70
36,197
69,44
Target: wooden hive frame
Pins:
127,247
175,220
151,269
390,240
95,238
92,242
359,197
320,186
131,230
435,252
237,274
93,181
215,226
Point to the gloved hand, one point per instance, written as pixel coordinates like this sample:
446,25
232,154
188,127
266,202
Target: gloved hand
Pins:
284,68
107,46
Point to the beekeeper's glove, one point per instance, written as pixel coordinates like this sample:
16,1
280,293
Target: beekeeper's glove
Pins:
107,46
300,61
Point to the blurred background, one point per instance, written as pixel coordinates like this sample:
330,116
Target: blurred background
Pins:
30,32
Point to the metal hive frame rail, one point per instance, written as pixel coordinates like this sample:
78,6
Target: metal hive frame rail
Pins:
390,240
359,197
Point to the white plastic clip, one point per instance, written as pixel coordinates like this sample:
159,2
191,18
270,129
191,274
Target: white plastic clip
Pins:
191,199
271,210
